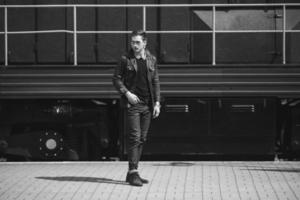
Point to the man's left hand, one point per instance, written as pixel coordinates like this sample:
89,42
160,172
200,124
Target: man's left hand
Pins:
156,111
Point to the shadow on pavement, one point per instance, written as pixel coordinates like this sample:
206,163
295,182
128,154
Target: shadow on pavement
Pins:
83,179
289,170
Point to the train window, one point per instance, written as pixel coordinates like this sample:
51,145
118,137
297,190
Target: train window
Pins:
293,38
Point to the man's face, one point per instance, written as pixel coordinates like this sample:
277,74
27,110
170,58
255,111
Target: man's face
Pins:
138,44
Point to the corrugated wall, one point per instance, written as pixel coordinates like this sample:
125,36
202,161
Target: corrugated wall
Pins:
176,80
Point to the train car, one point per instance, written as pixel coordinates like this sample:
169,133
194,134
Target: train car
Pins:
229,72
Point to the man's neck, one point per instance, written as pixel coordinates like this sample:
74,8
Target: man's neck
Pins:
141,54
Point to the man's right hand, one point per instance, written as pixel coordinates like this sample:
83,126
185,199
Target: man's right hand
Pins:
132,98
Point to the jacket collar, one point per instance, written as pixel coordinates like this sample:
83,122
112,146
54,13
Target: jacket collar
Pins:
132,58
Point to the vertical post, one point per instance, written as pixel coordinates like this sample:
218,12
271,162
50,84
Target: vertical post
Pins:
214,36
284,35
144,18
75,34
5,37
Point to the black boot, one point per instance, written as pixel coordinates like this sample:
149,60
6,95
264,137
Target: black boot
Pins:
142,179
134,179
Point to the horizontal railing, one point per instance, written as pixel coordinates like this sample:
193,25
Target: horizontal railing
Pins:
144,7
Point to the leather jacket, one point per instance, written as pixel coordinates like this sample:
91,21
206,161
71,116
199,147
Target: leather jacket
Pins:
124,77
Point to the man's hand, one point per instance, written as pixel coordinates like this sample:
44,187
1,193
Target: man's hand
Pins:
132,98
156,110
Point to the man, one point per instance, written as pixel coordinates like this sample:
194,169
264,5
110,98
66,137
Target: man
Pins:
136,78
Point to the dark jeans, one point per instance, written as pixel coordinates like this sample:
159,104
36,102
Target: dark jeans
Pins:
138,122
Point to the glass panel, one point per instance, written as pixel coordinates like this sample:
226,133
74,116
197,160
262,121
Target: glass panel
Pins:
110,47
174,19
249,48
135,19
1,19
100,48
174,48
87,48
292,48
101,19
111,19
86,19
55,48
2,54
21,48
293,18
201,48
201,43
21,19
54,18
266,18
201,19
152,18
152,44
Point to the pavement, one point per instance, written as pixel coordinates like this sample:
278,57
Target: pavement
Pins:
188,180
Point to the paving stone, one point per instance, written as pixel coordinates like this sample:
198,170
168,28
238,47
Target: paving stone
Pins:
168,180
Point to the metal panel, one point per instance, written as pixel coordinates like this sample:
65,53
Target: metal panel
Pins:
249,48
53,48
177,80
295,129
174,48
21,48
135,16
135,22
111,46
2,45
2,49
232,126
293,18
1,17
181,126
293,39
152,24
249,18
87,43
293,47
201,44
251,116
56,82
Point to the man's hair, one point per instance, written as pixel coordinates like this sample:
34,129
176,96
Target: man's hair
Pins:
139,33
